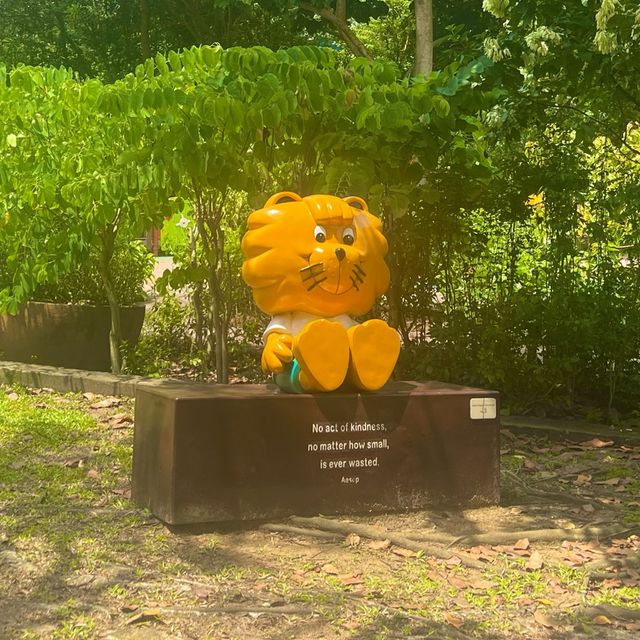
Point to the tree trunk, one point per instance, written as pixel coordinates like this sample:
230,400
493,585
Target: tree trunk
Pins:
221,374
197,291
145,46
424,37
208,220
115,333
338,20
218,306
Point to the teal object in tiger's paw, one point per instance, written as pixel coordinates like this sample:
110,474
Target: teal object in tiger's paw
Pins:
289,379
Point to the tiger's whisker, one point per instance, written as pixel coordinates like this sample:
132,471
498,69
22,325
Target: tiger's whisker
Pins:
315,284
313,266
309,276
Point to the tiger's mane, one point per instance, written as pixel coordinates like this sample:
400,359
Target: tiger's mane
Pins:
280,238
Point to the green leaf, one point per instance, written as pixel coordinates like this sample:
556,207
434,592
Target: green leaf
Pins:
161,63
211,56
272,116
451,88
150,68
174,61
441,106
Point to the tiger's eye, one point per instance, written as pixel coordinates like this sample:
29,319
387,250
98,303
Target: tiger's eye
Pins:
348,237
320,233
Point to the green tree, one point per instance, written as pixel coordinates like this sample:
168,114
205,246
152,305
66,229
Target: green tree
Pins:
76,176
577,65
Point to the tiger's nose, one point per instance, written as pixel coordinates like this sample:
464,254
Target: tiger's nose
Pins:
340,253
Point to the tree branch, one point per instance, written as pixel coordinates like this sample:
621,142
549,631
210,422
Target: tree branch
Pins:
375,533
338,20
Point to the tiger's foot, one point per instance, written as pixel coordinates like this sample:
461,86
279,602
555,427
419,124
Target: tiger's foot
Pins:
322,350
375,348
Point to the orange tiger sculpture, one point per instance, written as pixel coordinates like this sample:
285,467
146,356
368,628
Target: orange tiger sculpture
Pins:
313,263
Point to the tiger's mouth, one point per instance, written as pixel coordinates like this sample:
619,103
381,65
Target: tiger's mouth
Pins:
337,279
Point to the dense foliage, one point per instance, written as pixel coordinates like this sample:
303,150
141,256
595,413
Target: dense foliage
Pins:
507,179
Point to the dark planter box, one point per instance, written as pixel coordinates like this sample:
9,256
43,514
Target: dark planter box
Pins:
65,335
206,453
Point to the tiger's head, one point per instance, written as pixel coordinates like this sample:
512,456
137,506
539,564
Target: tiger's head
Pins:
319,254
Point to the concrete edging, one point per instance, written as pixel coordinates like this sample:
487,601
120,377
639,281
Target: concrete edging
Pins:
62,380
575,430
68,380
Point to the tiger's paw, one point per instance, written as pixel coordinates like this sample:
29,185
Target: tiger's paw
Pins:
375,348
322,350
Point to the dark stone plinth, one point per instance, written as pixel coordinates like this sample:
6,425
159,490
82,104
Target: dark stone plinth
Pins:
66,335
207,453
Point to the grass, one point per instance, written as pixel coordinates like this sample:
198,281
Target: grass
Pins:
63,471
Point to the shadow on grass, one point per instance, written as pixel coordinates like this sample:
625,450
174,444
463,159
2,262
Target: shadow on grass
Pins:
76,561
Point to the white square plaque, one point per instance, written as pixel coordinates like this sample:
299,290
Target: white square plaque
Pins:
482,408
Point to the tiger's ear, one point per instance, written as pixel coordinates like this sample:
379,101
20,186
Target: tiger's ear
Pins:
283,196
356,203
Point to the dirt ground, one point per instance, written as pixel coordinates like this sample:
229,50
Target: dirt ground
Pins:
558,558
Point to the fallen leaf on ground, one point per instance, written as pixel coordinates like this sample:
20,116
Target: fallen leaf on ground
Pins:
330,569
521,544
596,443
631,580
535,561
482,584
120,421
106,403
146,615
544,619
93,473
611,583
351,579
453,620
601,620
610,481
405,553
457,582
583,478
568,601
379,544
74,462
573,559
